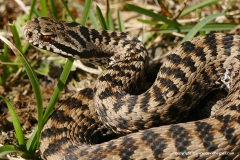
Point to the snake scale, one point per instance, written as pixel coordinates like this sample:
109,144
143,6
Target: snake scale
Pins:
147,122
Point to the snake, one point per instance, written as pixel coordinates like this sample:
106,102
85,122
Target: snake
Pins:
114,120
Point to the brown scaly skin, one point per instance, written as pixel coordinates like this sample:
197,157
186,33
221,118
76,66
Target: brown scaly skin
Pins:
191,71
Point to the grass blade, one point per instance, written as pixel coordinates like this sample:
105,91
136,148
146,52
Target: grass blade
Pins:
44,10
69,12
6,149
199,25
59,88
92,16
110,22
54,9
25,47
6,70
231,3
87,8
34,82
206,28
31,9
120,22
33,142
16,124
101,18
16,37
197,6
156,16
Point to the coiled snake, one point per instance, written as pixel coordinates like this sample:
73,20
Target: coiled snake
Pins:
191,70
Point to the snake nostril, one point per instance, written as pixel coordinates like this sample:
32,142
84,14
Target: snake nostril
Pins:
30,34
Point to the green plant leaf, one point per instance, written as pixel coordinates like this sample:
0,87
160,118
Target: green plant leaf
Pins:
198,6
31,9
59,88
44,9
199,25
54,9
156,16
206,28
87,8
69,12
110,22
16,36
92,16
34,82
120,22
6,149
101,18
16,124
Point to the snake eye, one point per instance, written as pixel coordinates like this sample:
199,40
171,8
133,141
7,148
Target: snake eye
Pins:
46,38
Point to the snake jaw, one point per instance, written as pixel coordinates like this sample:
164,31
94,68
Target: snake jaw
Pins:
42,37
32,35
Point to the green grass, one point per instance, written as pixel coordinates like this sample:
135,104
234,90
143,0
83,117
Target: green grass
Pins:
160,23
170,26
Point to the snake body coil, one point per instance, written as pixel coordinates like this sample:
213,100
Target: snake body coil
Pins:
191,71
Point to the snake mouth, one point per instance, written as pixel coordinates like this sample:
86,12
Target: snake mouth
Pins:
32,33
28,34
36,34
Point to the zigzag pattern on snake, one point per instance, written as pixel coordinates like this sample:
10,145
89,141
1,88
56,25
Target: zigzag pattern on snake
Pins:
191,71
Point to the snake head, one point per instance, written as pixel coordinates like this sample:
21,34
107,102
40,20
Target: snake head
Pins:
38,33
72,40
47,34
